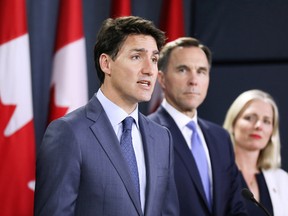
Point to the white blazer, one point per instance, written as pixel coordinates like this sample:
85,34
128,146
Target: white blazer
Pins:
277,183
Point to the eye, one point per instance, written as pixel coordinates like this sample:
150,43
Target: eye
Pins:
202,71
182,70
155,60
136,57
251,118
267,121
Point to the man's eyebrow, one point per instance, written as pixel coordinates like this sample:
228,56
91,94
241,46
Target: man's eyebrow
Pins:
155,52
182,66
203,68
138,50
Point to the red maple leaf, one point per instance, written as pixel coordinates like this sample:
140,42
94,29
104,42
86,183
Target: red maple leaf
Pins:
17,166
54,110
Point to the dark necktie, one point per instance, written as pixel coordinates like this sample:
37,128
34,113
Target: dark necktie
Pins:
128,151
201,160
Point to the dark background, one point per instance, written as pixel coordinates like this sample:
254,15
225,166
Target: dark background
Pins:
248,39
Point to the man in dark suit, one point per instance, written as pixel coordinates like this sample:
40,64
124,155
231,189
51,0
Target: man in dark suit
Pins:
90,162
206,176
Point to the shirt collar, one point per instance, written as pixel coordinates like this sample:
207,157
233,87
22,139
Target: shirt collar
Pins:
115,113
181,119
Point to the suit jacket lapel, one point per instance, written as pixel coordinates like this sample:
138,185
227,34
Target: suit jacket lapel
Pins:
150,162
216,167
183,152
107,138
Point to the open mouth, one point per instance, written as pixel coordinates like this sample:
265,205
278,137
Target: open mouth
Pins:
144,83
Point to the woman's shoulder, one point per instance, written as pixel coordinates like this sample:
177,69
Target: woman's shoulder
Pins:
277,173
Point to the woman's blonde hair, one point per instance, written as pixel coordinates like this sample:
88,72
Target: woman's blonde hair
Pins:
270,156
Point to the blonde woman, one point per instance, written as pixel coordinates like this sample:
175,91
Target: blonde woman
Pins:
253,123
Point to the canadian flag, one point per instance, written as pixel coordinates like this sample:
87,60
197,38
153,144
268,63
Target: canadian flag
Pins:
69,89
17,141
120,8
172,23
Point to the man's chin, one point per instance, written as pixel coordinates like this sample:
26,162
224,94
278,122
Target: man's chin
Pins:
145,99
190,107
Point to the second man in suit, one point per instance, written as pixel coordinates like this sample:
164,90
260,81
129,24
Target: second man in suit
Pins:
206,176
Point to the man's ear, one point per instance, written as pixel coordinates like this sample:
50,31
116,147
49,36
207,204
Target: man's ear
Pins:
161,79
104,62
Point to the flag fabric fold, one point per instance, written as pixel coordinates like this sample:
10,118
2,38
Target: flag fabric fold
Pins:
17,136
172,19
120,8
69,88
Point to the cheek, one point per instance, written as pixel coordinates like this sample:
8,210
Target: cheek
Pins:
166,82
155,75
177,82
205,85
175,87
239,131
237,134
268,133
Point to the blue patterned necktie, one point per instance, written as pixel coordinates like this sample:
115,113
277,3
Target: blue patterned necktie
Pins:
201,160
128,151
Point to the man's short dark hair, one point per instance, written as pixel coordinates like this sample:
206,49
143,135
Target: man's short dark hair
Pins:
181,42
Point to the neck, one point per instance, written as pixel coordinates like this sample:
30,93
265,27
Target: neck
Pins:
190,112
125,104
246,160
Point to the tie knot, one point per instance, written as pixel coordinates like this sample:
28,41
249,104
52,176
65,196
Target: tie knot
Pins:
127,123
192,125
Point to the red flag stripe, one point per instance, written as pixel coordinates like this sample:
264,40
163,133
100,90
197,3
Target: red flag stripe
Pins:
120,8
13,16
69,26
173,24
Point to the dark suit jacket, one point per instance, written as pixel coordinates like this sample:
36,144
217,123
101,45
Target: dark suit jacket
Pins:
81,170
227,198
